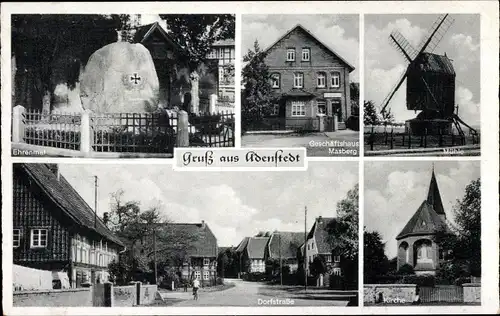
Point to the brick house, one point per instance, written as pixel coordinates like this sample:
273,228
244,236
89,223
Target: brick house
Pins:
415,242
54,229
285,245
252,254
317,245
309,78
201,256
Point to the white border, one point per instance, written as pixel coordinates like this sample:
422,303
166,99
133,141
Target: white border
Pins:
489,11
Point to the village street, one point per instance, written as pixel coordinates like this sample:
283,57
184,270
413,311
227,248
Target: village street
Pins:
253,294
317,144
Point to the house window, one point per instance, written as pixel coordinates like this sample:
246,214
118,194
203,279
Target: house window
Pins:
336,258
321,106
337,271
275,110
328,258
312,245
308,247
206,275
206,261
275,80
39,238
197,274
212,54
306,54
299,109
335,79
298,80
290,54
16,238
321,81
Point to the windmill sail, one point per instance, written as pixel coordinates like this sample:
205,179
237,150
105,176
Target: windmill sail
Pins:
403,46
393,91
436,34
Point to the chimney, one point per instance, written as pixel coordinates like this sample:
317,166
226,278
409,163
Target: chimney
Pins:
105,218
202,224
55,170
320,219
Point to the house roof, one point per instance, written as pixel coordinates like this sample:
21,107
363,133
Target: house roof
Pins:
299,26
69,201
256,247
425,221
290,243
243,245
434,197
204,242
224,42
319,231
436,63
145,31
297,93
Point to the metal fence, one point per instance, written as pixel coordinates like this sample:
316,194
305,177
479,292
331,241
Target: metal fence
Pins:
389,139
442,294
212,130
51,130
134,132
297,124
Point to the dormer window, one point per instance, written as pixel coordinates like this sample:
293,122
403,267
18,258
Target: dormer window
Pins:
335,80
275,80
290,54
306,54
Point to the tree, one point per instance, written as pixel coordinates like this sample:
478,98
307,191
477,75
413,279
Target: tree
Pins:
257,97
318,266
196,33
370,113
343,234
354,88
228,263
375,261
39,40
463,244
387,117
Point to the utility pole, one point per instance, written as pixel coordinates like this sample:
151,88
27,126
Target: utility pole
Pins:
305,248
154,254
281,262
95,201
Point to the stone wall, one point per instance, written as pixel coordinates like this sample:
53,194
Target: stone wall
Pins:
127,295
389,293
50,298
472,292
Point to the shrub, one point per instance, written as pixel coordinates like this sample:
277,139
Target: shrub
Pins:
387,279
219,281
406,269
352,123
460,281
420,280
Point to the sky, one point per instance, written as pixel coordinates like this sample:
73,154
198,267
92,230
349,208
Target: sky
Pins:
339,32
395,190
233,204
384,65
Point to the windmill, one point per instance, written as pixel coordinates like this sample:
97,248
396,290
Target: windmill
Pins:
430,84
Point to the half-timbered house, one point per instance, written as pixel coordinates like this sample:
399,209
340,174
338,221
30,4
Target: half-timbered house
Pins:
54,228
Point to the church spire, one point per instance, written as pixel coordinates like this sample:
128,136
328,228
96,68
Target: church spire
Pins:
434,197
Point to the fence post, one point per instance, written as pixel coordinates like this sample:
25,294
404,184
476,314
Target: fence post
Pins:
335,122
138,293
212,103
409,139
440,138
452,139
85,134
425,139
108,294
392,138
182,129
18,124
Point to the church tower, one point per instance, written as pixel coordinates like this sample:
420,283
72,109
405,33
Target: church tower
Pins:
415,242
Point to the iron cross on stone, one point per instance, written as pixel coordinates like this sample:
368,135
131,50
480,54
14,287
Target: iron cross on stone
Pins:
135,78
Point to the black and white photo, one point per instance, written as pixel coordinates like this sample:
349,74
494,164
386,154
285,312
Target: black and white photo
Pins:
422,236
300,83
422,82
121,85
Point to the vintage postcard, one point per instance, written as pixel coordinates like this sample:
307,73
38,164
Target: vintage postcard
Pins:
206,158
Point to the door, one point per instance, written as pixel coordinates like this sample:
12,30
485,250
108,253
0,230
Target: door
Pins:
337,109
